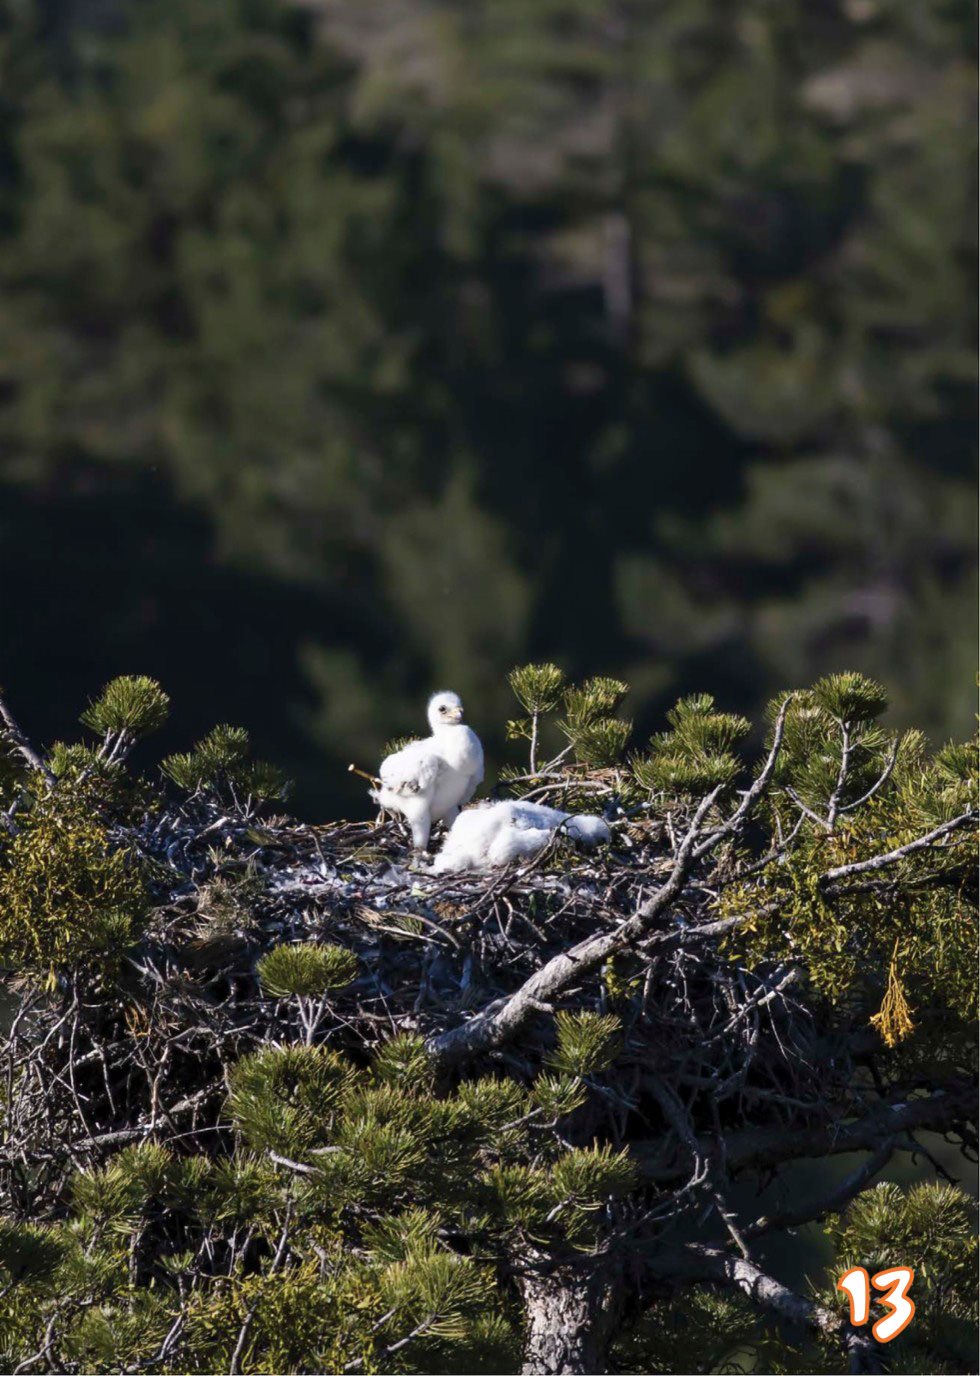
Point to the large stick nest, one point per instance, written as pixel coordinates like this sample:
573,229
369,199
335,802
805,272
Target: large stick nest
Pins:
706,1042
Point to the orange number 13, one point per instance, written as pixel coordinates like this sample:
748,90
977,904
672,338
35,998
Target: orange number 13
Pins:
895,1282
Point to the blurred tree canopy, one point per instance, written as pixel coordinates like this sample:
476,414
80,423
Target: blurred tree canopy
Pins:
363,349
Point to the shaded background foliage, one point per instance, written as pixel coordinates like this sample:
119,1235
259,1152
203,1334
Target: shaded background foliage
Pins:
350,350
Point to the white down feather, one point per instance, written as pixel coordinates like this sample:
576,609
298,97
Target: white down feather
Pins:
500,833
430,780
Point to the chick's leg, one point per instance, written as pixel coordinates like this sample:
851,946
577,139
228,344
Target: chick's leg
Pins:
416,812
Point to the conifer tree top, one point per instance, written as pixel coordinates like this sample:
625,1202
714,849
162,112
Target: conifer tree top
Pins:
282,1097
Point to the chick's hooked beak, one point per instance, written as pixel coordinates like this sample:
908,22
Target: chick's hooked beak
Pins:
455,714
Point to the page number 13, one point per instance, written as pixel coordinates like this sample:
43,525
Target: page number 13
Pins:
895,1282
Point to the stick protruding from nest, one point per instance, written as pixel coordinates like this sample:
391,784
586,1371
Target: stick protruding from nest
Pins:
353,769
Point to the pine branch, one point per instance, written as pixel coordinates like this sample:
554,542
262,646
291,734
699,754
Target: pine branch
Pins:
845,761
830,1203
753,795
21,744
880,862
243,1332
699,1263
879,783
760,1148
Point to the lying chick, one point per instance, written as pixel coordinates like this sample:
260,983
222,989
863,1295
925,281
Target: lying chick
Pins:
499,833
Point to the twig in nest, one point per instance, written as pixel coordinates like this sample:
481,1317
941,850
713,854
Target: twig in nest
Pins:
353,769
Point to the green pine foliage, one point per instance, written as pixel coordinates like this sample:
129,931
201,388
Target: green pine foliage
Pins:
586,1043
709,1332
134,706
697,754
28,1253
306,971
594,735
371,1171
75,761
220,763
537,687
285,1095
933,1223
932,1228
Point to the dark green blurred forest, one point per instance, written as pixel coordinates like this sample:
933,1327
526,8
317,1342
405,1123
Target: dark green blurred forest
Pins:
352,349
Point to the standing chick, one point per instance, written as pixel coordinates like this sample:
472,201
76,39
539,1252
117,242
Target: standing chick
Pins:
430,780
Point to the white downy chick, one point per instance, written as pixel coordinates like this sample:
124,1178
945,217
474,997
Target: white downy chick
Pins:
430,780
500,833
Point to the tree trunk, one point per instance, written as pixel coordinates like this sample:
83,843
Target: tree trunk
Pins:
570,1315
